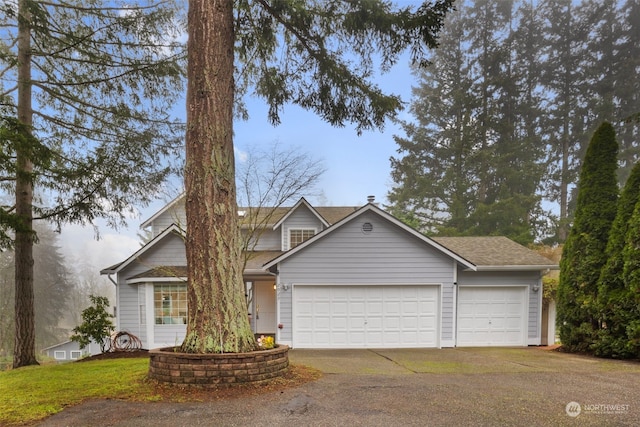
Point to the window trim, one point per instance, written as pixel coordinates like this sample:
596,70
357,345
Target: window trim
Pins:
176,311
314,231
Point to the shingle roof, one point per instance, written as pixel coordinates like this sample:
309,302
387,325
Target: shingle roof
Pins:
331,214
163,271
494,251
254,263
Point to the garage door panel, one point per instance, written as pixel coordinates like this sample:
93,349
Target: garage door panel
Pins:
366,316
491,316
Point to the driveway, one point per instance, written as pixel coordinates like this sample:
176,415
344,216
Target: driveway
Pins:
462,387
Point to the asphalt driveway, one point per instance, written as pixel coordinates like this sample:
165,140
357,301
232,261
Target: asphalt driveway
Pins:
474,386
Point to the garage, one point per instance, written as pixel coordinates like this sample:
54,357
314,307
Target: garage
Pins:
358,316
491,316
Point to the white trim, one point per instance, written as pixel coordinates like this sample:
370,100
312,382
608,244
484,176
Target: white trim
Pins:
517,267
150,315
289,230
302,201
155,280
168,206
60,355
167,231
75,354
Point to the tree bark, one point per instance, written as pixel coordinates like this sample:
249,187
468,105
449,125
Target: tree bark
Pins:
217,319
24,352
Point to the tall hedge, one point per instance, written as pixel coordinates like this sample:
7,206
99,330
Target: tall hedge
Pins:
584,254
616,303
631,277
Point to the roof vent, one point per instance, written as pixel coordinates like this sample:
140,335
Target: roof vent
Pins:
371,199
367,227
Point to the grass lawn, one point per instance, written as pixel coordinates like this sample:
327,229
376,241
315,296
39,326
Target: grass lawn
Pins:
34,392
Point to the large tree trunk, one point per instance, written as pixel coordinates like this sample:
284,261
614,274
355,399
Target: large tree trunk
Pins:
24,352
217,320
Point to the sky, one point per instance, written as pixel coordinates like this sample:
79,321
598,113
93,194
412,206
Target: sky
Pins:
356,167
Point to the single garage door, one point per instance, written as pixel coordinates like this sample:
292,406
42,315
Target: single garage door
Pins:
491,316
349,316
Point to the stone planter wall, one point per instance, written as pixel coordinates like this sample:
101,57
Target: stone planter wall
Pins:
204,370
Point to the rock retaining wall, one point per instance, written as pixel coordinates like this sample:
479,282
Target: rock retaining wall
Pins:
169,366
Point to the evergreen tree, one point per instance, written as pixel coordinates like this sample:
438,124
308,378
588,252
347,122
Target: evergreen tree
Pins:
435,184
316,54
52,286
631,276
627,85
472,161
563,82
584,254
616,303
87,90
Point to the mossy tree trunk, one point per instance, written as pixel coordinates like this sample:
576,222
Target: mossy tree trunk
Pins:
217,319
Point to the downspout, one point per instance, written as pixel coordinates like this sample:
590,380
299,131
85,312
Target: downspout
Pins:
115,306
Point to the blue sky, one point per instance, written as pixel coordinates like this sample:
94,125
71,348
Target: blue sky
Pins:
356,166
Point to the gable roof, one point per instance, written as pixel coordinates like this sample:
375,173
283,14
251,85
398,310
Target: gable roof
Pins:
301,202
493,253
370,207
165,208
328,215
118,267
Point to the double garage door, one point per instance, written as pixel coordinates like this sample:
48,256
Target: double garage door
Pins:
351,316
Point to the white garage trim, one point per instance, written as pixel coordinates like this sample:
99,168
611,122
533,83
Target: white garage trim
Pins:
366,316
492,316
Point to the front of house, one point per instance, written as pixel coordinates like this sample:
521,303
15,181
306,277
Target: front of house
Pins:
345,277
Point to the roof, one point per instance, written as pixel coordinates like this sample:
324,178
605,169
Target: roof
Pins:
366,208
328,214
165,208
274,216
117,267
179,272
496,253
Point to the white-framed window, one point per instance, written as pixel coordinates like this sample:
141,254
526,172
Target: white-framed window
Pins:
170,304
76,354
60,355
299,235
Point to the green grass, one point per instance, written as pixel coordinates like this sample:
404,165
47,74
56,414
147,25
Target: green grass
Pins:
35,392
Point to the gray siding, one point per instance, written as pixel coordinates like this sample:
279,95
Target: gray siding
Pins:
301,218
169,251
386,255
269,240
175,215
527,278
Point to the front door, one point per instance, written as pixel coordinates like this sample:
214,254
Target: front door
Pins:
265,307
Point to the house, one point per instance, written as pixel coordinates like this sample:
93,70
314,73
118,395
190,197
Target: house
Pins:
70,351
345,277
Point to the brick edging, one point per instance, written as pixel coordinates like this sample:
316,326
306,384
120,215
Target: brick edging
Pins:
217,369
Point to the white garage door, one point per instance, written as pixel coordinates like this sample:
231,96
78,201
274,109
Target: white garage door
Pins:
491,316
344,316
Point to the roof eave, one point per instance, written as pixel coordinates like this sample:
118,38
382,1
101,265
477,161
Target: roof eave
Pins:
541,267
155,279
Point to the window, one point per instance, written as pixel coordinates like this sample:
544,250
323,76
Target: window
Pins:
60,355
298,236
170,304
76,354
